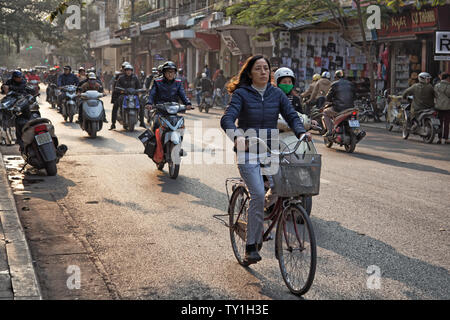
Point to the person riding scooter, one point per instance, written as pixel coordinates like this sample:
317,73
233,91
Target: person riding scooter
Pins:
66,79
342,95
125,81
423,93
91,84
166,89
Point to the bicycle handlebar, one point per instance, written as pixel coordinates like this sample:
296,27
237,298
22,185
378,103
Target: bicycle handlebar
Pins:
300,140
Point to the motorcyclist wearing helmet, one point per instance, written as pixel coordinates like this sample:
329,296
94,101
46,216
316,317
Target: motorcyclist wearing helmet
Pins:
17,83
82,75
310,90
342,95
92,84
320,90
183,79
66,79
126,80
423,93
167,89
285,80
116,94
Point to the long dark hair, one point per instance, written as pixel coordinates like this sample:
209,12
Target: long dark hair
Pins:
243,78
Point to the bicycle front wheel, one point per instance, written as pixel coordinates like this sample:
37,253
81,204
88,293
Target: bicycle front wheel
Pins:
238,212
295,248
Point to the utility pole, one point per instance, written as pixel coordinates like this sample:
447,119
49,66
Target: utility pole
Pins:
133,39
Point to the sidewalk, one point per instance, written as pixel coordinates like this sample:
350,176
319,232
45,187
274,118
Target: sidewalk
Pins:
17,276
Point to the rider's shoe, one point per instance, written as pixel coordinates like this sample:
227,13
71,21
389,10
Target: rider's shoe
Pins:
251,254
113,126
142,125
327,134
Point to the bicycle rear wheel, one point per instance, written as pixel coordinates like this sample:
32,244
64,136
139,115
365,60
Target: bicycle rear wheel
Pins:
238,212
295,247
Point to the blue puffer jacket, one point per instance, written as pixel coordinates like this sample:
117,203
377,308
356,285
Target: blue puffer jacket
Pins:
256,112
167,91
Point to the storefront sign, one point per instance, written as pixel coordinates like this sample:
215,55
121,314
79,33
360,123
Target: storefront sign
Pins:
409,23
441,58
442,42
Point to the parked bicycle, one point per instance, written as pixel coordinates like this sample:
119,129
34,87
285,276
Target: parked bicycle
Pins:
295,244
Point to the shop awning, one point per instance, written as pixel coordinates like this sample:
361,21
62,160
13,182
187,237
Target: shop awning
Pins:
194,20
211,40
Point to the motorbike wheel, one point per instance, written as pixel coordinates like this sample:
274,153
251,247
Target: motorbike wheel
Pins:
363,118
161,166
431,132
130,127
174,169
92,130
50,167
200,107
327,143
71,118
207,109
349,148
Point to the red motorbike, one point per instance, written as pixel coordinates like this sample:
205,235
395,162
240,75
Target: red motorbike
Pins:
346,130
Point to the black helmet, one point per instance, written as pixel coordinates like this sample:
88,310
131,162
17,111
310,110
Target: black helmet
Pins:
17,74
169,65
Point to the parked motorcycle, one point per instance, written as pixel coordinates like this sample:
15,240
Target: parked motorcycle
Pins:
428,124
92,111
366,110
7,126
69,106
129,110
346,130
170,136
40,144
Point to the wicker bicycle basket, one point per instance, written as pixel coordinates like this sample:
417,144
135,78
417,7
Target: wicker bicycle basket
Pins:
298,175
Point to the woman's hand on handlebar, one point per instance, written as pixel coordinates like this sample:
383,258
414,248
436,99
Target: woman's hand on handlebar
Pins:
148,106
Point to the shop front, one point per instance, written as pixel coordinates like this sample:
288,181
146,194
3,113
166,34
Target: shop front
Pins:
409,36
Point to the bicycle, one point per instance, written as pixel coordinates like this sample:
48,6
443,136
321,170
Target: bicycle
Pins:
294,237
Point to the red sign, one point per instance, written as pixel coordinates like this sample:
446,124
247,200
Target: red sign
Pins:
410,22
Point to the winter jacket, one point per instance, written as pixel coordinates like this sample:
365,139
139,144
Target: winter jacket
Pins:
126,82
321,88
256,112
19,87
167,91
423,94
442,90
67,79
342,94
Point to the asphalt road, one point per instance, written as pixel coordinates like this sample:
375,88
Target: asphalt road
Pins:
134,233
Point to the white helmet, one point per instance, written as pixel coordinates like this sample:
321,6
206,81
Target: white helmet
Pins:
92,76
284,72
326,74
128,66
423,76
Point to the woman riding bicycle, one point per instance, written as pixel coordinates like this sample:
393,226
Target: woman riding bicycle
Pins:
256,104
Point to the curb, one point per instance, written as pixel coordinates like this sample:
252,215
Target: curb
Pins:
23,277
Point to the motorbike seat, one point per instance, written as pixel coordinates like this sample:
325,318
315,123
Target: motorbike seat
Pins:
34,122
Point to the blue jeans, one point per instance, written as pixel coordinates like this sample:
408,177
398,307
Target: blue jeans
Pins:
251,174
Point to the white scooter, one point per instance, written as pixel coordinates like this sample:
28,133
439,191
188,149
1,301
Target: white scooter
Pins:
92,112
